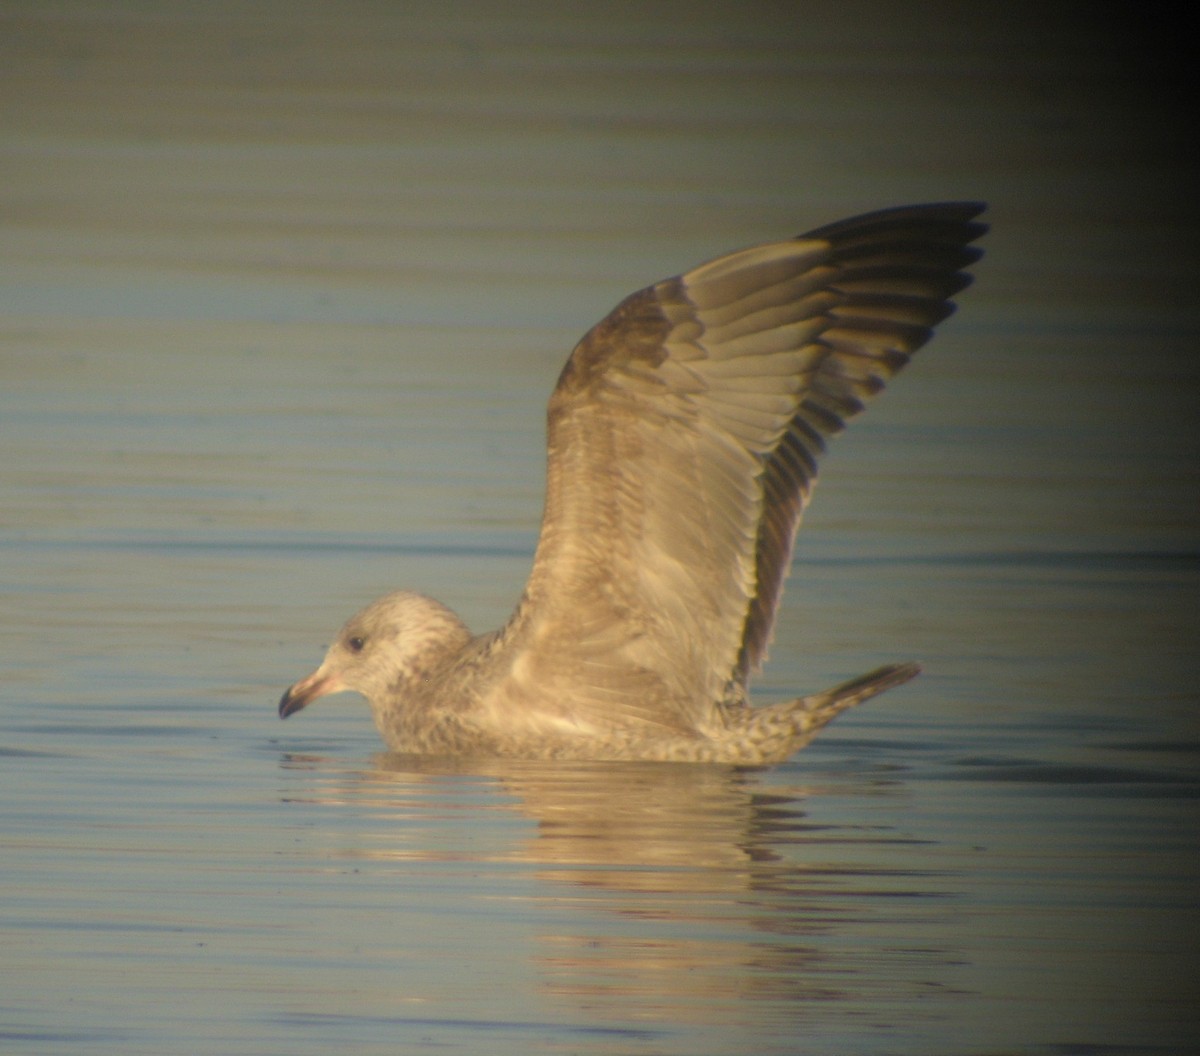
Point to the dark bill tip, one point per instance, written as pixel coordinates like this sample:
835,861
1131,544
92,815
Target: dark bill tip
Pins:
289,704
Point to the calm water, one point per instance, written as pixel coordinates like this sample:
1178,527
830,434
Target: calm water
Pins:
283,295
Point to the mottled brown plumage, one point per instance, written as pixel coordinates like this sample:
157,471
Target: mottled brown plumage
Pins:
683,437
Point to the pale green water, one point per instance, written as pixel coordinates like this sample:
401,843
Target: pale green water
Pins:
284,291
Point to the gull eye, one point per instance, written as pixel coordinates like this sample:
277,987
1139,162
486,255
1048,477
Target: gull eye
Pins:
356,644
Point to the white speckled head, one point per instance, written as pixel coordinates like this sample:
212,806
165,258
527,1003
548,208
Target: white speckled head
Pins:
389,643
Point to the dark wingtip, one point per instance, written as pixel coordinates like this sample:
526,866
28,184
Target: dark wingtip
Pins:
954,223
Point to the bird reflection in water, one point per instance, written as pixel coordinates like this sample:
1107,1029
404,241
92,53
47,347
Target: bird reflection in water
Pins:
683,889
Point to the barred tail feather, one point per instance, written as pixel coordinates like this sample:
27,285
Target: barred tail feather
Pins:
785,728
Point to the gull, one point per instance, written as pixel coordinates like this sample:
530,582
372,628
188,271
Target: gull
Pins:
683,439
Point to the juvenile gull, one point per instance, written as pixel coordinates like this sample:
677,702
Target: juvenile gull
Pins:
683,439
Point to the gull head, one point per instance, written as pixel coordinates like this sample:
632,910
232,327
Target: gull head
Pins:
389,645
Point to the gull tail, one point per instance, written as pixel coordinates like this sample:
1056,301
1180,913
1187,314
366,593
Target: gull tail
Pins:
819,708
781,729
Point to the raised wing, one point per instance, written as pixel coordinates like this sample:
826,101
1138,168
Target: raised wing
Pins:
683,438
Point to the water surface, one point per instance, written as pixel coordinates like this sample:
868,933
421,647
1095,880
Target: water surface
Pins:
285,291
